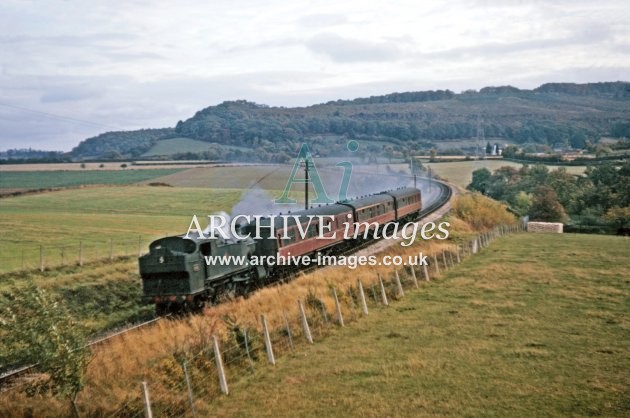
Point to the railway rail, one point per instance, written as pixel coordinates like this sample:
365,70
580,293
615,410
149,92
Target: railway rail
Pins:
445,194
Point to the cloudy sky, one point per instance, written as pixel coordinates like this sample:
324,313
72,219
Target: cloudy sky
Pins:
72,69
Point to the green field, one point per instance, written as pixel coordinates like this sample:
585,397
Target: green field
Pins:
175,146
172,146
460,172
97,215
41,180
535,325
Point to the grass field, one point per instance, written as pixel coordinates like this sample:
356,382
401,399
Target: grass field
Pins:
176,145
38,180
536,325
460,172
97,215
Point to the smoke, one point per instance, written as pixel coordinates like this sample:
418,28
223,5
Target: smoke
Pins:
364,180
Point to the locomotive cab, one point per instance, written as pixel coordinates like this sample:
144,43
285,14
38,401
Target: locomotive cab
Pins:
173,272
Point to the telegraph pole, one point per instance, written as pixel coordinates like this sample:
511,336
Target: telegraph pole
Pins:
306,164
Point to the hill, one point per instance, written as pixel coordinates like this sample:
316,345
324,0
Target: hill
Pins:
555,115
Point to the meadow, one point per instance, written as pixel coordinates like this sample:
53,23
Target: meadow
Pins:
73,178
460,172
99,217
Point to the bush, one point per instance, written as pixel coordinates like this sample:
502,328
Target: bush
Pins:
481,212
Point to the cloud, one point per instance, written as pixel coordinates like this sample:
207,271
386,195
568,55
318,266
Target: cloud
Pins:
63,93
587,35
321,20
346,50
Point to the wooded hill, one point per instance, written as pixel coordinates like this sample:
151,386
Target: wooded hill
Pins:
558,115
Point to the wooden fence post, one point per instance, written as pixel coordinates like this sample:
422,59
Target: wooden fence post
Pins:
426,273
413,277
338,308
147,403
190,392
435,263
219,363
307,330
362,297
444,260
459,260
268,346
383,294
399,288
249,354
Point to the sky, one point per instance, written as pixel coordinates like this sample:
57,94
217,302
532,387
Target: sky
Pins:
73,69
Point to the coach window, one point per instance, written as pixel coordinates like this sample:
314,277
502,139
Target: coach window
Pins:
205,248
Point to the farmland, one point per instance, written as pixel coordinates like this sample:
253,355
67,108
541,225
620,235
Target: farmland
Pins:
460,172
95,216
39,180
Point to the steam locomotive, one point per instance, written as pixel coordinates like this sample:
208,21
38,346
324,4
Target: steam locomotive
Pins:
176,277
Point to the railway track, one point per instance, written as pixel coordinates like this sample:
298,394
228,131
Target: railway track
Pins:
444,196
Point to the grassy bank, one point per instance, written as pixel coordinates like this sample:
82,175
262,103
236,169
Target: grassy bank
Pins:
534,325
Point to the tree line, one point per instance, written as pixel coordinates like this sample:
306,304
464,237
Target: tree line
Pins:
597,201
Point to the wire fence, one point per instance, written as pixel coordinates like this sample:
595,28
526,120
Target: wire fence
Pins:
206,370
45,257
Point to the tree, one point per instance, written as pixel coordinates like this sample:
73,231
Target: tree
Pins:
488,148
522,203
432,155
510,151
82,165
480,180
546,207
618,216
38,329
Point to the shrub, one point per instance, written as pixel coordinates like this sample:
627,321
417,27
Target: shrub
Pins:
481,212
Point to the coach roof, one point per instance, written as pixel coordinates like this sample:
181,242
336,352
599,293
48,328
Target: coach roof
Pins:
403,192
327,210
368,200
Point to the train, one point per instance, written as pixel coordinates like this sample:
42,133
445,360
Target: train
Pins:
177,278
